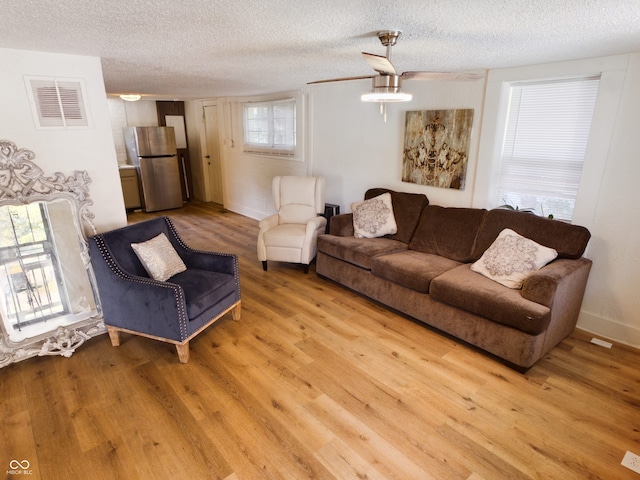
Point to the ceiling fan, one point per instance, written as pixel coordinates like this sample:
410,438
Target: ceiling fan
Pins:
387,83
383,65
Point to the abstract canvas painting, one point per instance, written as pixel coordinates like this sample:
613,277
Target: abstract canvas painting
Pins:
436,147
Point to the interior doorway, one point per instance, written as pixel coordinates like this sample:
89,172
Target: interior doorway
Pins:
211,156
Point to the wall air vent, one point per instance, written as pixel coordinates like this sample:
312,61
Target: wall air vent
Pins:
57,102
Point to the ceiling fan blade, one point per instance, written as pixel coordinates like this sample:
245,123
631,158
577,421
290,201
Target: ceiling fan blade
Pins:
442,76
344,79
379,63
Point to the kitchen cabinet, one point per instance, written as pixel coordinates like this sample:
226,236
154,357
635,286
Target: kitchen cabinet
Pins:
130,187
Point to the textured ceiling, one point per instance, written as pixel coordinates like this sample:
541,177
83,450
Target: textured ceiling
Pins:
207,48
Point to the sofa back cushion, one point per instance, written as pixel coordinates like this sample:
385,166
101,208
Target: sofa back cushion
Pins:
447,231
570,241
119,242
406,208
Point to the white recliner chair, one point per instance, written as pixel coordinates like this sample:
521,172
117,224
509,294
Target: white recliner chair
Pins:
291,234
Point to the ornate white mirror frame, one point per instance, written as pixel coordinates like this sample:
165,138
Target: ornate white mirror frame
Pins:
48,298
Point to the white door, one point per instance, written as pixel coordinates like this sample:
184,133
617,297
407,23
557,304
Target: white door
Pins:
211,157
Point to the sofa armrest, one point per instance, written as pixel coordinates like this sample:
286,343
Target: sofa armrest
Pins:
341,225
562,276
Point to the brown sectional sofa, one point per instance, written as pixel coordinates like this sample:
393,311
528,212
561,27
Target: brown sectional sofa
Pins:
424,271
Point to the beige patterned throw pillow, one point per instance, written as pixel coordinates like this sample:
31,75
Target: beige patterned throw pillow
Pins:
374,217
159,258
511,258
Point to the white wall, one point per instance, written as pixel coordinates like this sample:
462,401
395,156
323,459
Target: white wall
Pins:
118,117
60,150
354,149
142,113
612,303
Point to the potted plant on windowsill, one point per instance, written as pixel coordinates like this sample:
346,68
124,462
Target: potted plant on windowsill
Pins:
506,206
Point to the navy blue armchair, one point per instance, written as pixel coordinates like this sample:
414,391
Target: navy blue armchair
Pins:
173,311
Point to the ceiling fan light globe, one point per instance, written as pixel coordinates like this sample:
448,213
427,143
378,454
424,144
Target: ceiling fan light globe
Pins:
386,88
386,97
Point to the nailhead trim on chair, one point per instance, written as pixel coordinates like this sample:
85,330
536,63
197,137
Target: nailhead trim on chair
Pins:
177,290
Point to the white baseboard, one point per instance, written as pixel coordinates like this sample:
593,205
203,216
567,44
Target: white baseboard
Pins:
247,212
609,329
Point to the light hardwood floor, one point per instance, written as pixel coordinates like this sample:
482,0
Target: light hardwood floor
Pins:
315,381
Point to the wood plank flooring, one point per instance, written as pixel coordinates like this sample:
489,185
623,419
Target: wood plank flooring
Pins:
315,382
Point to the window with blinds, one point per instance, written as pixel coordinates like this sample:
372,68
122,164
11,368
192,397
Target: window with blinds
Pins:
547,130
57,103
270,127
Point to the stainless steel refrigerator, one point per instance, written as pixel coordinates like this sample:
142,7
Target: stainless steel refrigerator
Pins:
152,150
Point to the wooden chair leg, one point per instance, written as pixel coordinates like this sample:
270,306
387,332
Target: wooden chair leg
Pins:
183,352
114,336
264,265
236,312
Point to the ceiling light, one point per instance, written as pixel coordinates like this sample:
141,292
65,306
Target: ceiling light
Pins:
386,97
385,89
131,97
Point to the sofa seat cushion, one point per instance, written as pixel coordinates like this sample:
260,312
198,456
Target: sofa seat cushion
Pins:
470,291
202,289
359,251
411,269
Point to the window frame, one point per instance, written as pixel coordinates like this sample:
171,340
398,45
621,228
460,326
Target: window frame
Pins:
612,72
271,146
523,155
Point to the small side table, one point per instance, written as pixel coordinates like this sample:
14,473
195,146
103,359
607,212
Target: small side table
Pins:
330,209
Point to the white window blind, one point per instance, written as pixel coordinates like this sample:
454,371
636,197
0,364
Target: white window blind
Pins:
270,127
546,137
57,103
